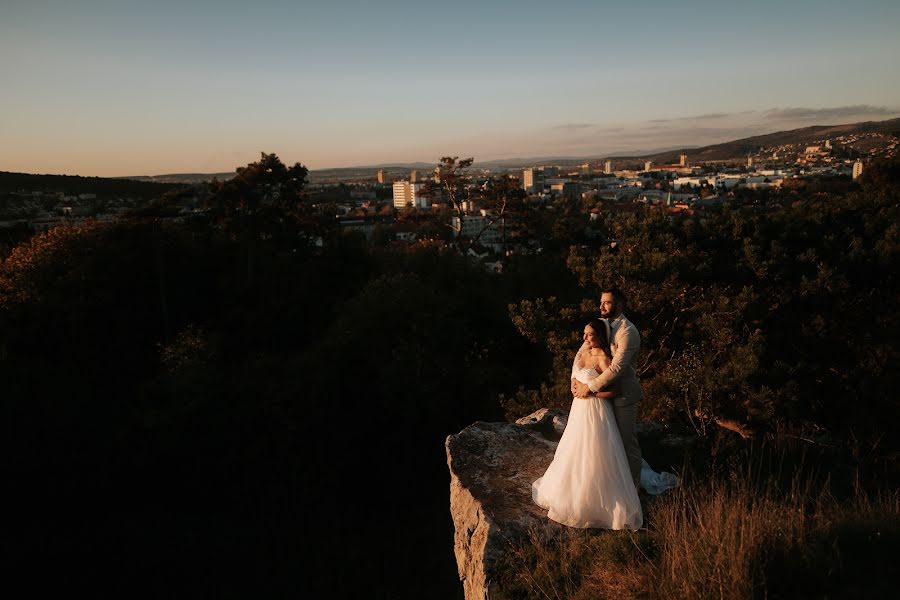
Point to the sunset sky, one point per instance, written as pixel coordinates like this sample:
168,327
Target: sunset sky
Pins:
122,87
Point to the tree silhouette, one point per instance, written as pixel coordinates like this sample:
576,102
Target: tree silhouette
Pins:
266,202
450,184
501,196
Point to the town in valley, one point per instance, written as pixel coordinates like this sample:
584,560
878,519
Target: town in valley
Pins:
408,206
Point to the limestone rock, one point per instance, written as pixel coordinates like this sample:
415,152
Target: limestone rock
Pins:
492,466
545,420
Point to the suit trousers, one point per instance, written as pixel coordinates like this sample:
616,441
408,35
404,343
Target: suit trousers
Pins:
626,417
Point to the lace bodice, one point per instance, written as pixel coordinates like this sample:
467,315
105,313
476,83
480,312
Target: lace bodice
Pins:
583,375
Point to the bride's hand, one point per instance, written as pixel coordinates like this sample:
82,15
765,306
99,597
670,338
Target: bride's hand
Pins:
580,390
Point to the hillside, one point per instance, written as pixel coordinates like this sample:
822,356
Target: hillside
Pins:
803,136
26,183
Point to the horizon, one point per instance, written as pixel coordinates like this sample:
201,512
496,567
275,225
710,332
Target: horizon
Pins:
117,90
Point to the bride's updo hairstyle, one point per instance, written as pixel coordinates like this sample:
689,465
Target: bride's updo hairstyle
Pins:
600,327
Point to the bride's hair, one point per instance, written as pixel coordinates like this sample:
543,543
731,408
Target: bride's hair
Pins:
600,328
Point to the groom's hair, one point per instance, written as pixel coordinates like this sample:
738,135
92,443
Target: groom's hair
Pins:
617,294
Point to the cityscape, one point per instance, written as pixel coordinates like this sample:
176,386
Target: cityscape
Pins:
382,201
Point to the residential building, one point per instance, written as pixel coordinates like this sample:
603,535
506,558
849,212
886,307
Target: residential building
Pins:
407,194
531,181
472,225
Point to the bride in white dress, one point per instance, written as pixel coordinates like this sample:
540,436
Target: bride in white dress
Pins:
589,483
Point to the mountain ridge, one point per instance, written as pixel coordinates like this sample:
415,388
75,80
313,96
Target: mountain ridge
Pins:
741,147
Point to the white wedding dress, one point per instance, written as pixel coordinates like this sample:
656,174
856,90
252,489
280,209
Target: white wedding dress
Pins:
589,483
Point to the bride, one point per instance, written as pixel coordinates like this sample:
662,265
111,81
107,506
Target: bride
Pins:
589,482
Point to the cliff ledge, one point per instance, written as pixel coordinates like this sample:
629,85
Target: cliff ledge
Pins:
491,467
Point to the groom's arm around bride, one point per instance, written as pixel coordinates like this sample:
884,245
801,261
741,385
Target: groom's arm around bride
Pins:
626,343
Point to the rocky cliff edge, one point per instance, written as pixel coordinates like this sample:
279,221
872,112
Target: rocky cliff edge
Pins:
492,466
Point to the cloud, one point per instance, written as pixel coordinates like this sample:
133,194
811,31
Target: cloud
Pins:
642,140
639,137
837,112
572,126
696,135
693,118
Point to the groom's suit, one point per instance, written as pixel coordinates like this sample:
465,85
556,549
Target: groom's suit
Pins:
626,341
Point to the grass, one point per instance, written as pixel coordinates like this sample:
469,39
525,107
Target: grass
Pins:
575,564
744,534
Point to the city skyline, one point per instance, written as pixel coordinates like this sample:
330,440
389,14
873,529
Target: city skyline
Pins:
123,88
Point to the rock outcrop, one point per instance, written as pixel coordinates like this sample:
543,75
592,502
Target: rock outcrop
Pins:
492,466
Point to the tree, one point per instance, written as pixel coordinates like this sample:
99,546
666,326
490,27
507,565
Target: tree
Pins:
266,202
881,179
450,184
501,195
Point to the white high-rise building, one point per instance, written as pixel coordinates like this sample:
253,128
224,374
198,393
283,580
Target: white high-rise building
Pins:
648,165
530,180
402,194
413,176
683,160
382,176
407,194
857,169
608,167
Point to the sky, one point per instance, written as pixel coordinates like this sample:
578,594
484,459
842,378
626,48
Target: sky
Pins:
122,87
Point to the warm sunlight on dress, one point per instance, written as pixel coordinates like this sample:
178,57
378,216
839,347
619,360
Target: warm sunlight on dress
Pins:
589,483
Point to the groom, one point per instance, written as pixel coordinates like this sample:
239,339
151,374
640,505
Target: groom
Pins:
625,342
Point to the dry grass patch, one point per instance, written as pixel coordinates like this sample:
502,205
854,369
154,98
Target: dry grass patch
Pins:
554,563
734,538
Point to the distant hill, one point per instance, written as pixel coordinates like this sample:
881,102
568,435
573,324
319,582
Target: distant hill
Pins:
180,178
412,165
806,135
733,150
571,160
17,183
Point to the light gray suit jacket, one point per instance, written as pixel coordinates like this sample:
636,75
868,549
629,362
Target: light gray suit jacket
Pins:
625,345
